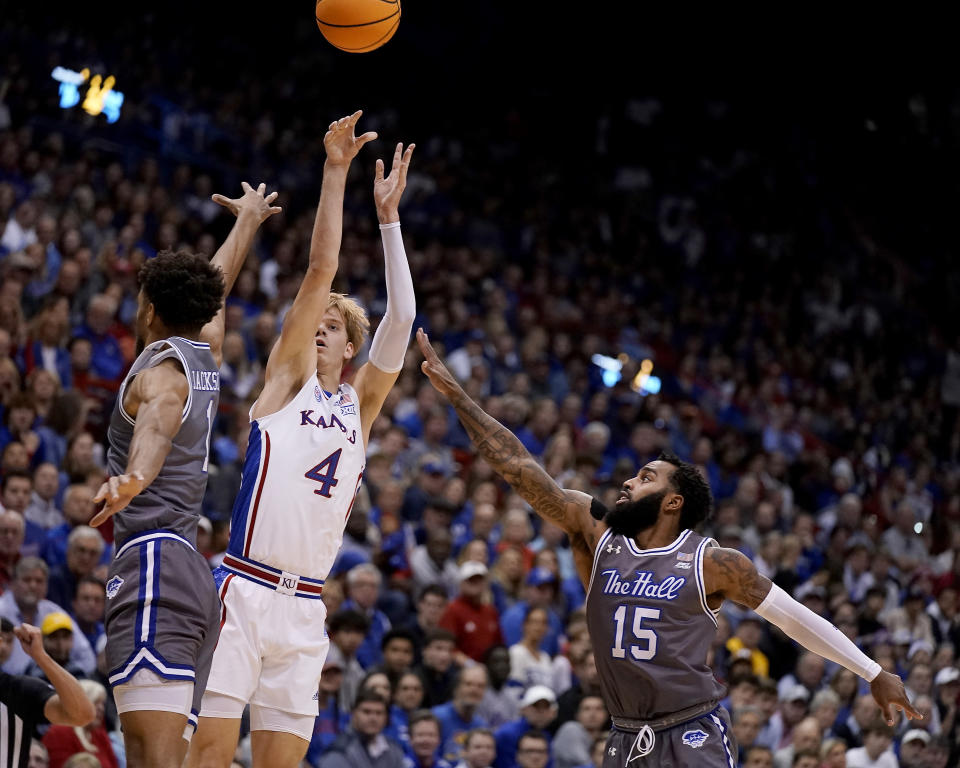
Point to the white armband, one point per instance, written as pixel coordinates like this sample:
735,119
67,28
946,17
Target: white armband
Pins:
815,633
389,345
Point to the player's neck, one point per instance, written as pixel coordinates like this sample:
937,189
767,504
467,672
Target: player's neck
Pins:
159,332
329,380
661,534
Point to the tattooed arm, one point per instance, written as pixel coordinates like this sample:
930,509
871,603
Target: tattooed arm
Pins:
570,510
729,574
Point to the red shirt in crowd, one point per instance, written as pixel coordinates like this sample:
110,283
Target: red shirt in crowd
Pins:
476,626
62,743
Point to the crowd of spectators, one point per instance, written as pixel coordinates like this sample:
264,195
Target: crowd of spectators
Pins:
796,315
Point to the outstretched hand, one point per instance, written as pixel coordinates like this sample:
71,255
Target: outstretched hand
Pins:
116,493
439,375
340,143
889,693
252,200
388,191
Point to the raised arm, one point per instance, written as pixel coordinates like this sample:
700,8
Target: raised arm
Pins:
69,705
729,574
501,449
156,399
251,210
294,356
389,346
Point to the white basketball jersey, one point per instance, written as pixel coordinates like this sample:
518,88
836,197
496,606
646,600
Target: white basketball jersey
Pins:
301,473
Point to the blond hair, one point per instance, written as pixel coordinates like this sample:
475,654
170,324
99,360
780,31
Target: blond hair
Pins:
354,318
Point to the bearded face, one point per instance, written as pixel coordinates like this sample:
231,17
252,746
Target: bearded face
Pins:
629,518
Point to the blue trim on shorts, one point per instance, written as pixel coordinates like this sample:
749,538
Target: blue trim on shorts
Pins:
181,672
141,598
155,604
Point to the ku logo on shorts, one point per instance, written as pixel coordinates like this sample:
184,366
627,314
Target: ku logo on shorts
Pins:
694,739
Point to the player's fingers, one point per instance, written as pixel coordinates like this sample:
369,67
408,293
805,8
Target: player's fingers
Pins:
378,174
114,484
101,516
910,712
275,209
355,116
102,493
396,156
246,187
406,164
271,197
221,200
332,125
262,188
368,136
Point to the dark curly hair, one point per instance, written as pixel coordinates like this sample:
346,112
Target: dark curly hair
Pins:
689,483
185,289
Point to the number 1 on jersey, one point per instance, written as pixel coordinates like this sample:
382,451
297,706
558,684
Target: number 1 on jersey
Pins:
326,479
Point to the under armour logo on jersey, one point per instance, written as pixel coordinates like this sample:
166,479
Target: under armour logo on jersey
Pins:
611,549
694,739
113,586
612,751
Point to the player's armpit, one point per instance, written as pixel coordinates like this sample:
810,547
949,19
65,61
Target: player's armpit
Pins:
373,386
730,574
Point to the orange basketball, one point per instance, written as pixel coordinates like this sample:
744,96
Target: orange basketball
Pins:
358,25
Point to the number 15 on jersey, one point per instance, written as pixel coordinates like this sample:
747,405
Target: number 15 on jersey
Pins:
646,647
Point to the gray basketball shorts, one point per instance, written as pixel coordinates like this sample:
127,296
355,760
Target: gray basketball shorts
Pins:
705,742
163,612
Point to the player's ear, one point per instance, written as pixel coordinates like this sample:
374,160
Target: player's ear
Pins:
150,314
673,502
349,351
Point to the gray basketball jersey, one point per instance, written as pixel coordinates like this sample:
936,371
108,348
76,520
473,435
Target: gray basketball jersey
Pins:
172,501
650,626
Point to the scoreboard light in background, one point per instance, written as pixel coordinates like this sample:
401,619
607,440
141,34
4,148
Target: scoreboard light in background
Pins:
99,97
644,383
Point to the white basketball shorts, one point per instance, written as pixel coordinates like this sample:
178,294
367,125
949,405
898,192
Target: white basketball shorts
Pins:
271,648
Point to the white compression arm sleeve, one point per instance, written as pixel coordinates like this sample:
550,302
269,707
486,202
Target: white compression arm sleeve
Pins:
389,345
815,633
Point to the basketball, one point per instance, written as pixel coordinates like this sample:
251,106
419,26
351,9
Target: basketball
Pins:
358,26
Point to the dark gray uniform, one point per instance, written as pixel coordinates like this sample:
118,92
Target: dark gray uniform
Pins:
651,628
162,605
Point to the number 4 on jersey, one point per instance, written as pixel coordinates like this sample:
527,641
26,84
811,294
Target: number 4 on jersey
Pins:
326,479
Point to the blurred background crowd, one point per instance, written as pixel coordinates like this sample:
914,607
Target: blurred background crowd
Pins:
768,293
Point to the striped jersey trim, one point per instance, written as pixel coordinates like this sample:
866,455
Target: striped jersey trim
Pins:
261,481
632,545
701,585
192,343
596,559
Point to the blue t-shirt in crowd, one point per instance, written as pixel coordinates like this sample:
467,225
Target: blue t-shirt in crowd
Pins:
511,624
369,654
453,730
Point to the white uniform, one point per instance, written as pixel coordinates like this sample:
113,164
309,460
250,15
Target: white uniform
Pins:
301,473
